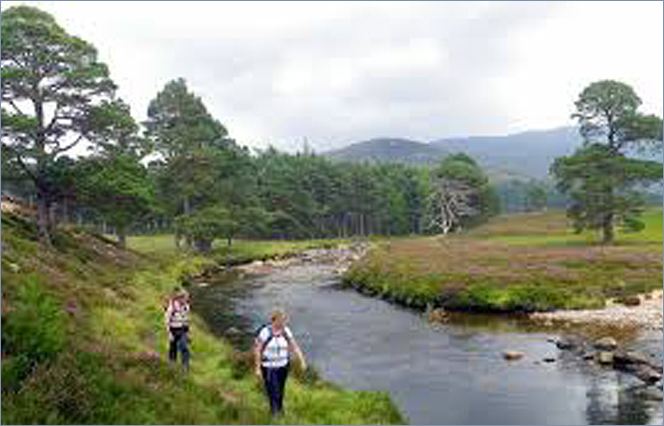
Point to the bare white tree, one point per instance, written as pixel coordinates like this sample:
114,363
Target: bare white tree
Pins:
449,202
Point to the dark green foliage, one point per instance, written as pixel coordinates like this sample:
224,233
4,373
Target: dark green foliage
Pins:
60,77
599,184
180,124
309,196
117,187
536,197
206,225
600,179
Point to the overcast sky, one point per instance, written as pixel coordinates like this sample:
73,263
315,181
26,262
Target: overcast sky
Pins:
341,72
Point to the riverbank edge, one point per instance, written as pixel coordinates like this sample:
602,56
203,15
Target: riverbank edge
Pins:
104,358
562,322
260,264
365,276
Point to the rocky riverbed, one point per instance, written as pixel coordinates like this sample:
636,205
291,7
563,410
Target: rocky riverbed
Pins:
640,315
645,313
342,257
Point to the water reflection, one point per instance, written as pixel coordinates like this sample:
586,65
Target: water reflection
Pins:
616,401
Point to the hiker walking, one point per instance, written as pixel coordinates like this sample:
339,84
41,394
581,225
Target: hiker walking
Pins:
177,325
273,346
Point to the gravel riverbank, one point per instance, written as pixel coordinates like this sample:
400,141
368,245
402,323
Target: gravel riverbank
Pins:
647,315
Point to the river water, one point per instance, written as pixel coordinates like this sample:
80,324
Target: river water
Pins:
436,374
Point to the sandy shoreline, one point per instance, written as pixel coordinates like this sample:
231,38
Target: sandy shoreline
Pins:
646,316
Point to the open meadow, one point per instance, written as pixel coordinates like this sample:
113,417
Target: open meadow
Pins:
519,262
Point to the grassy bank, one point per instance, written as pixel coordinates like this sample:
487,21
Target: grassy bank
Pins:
83,342
240,251
521,262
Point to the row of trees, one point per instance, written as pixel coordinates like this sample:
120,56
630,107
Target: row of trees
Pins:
180,170
56,94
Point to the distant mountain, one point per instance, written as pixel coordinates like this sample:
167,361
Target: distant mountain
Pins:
528,153
389,150
521,155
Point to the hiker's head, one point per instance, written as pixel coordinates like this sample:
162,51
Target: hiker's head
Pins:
278,319
180,294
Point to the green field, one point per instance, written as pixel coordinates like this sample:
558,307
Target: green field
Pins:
83,342
520,262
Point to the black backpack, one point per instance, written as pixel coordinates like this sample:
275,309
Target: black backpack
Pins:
270,337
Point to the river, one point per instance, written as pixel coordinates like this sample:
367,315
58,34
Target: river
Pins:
436,374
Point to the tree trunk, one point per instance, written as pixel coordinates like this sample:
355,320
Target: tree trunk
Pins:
42,218
43,199
52,216
122,237
65,211
186,207
607,228
607,221
203,246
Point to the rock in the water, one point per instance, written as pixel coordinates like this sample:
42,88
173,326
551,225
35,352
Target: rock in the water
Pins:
203,284
606,344
549,359
648,374
588,356
631,301
232,331
567,343
624,358
437,315
512,355
604,357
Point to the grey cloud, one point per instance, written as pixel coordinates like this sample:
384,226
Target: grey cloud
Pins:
332,72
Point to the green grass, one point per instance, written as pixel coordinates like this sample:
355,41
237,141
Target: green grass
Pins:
83,342
238,252
524,262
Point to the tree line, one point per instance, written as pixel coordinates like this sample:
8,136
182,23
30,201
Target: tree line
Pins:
179,170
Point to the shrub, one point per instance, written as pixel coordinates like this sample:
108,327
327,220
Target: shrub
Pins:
35,330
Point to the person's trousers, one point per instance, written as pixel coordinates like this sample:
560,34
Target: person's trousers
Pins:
179,343
275,383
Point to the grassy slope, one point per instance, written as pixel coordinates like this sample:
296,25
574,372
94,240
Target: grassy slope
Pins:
83,342
516,262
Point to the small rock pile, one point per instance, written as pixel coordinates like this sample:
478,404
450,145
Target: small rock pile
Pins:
605,351
342,257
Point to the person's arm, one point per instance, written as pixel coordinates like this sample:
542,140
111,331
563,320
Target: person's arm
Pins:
258,345
296,348
167,317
